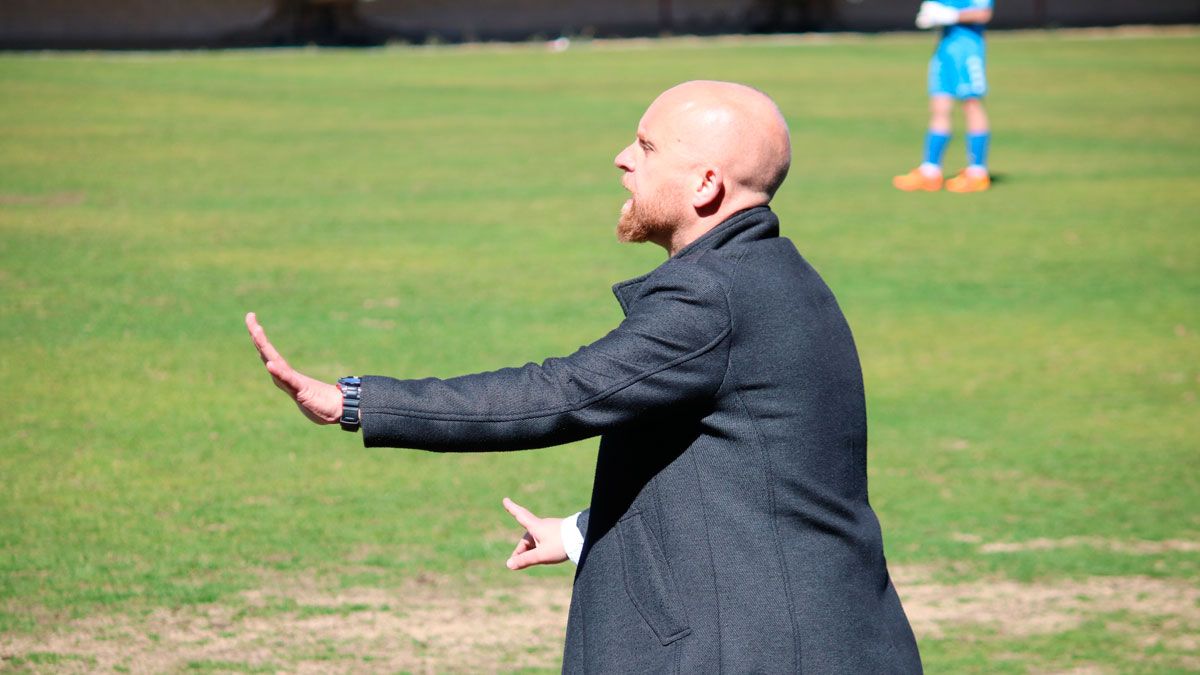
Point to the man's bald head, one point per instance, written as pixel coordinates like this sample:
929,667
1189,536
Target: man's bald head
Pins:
733,126
704,151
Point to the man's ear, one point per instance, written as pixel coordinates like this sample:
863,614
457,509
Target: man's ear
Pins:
709,190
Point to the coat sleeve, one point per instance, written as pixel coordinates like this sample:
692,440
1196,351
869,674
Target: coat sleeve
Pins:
670,351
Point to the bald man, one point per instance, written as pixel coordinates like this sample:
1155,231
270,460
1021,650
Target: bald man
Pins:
729,528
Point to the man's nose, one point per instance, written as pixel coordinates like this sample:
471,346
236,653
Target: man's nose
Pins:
622,160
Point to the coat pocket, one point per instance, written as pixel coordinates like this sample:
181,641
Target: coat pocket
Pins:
648,581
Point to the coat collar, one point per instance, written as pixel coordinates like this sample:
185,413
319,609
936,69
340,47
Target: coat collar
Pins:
742,227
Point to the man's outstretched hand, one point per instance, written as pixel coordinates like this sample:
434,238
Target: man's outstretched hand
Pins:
319,401
542,543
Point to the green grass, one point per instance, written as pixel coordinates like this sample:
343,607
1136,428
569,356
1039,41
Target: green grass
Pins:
1032,354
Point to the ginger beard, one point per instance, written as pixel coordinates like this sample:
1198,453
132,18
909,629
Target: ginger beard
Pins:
647,220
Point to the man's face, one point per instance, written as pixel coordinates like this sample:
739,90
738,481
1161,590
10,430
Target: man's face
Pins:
654,175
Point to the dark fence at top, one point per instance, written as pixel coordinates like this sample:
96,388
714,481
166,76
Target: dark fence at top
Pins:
126,24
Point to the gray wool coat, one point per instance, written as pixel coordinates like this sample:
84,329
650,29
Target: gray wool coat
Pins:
729,528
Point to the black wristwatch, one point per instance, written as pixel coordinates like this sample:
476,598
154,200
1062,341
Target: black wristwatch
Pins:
351,389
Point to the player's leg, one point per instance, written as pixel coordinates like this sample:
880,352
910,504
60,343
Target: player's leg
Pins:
979,134
975,178
938,135
928,176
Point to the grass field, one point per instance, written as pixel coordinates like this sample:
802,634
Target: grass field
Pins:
1032,354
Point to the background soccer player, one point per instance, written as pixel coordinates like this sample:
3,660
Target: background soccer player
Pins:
956,71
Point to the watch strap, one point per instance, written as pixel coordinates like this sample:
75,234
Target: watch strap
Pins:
351,396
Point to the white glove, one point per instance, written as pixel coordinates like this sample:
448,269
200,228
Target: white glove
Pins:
933,14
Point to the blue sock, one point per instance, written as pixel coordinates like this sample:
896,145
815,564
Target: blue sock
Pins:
935,145
977,150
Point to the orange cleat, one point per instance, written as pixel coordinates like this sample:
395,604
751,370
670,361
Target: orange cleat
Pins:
969,181
917,180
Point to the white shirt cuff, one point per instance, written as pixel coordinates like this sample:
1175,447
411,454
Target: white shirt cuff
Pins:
572,538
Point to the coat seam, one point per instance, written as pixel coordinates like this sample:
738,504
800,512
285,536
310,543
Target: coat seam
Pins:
787,584
401,412
699,483
737,268
708,544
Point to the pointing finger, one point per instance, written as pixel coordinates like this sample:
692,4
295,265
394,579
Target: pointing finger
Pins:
522,514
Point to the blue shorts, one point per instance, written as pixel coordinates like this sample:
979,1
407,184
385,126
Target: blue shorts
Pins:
957,69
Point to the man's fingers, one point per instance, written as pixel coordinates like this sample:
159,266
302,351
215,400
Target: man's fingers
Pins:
287,379
253,327
523,515
527,559
259,335
265,348
525,544
526,554
284,376
283,386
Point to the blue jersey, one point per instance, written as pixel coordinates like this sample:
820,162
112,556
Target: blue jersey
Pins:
964,31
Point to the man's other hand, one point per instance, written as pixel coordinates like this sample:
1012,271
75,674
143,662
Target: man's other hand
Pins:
319,401
542,542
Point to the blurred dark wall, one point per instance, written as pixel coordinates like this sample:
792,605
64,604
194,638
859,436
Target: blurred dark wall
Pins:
873,15
32,24
125,23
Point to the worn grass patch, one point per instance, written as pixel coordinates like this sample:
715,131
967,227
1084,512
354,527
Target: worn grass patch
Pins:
435,624
300,623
